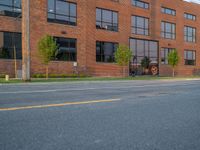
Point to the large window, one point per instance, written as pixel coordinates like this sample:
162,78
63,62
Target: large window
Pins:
10,45
10,8
142,48
105,51
190,34
189,16
61,11
66,49
140,25
168,30
168,11
190,57
164,55
106,19
141,4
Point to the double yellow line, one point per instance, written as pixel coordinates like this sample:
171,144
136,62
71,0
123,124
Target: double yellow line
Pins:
59,105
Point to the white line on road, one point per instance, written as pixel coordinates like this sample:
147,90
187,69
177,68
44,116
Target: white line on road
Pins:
95,88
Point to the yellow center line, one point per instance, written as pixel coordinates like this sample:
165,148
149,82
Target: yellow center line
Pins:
59,105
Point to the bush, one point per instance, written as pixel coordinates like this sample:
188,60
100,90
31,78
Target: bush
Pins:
145,62
82,75
2,75
39,76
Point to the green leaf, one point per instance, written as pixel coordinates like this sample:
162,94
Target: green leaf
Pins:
123,55
173,58
47,47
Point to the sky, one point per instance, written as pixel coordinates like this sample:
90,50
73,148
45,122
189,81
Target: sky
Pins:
195,1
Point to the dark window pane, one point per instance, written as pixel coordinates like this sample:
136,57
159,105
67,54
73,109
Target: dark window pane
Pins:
9,44
105,51
66,49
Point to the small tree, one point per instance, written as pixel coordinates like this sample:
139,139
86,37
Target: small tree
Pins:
145,64
173,60
123,56
47,48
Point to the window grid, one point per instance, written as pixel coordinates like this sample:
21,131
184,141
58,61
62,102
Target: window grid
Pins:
101,24
140,4
190,16
102,54
143,48
13,10
66,51
10,41
168,30
190,57
190,34
136,28
55,15
168,11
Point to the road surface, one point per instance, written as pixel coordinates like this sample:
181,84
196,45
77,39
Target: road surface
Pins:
107,115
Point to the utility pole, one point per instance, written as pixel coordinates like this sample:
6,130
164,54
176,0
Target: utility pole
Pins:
26,40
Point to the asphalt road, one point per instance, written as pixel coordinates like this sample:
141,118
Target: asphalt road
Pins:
127,115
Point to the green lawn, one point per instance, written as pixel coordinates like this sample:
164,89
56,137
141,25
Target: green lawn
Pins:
2,80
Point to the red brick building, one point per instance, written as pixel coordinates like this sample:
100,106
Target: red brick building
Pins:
89,31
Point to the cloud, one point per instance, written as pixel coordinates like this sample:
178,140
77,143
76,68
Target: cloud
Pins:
194,1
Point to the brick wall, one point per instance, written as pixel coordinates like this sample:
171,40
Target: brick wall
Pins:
86,34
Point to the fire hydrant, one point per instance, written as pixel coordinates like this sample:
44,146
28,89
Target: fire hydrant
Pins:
7,77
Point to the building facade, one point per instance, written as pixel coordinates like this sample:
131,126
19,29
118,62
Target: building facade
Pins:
88,33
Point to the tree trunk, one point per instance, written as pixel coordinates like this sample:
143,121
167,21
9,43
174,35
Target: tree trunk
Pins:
124,71
173,72
47,71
